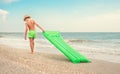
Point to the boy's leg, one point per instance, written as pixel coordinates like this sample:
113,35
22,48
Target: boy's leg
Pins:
32,44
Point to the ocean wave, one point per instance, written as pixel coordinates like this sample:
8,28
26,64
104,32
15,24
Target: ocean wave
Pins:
81,41
111,42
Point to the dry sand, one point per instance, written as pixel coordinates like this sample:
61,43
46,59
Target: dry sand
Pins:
20,61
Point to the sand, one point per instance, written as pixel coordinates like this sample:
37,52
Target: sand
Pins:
20,61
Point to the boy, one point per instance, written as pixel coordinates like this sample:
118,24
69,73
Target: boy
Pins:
30,25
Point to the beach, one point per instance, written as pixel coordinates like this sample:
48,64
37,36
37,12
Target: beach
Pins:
68,36
20,61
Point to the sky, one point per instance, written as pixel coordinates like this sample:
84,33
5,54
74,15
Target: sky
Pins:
61,15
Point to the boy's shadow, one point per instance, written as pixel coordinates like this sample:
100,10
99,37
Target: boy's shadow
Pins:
59,58
55,57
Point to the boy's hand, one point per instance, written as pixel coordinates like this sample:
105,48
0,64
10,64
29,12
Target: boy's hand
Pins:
43,30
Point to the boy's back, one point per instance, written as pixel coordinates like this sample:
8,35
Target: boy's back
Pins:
31,24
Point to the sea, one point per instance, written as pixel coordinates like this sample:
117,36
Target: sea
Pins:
94,45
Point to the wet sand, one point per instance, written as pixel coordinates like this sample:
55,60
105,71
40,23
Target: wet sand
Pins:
20,61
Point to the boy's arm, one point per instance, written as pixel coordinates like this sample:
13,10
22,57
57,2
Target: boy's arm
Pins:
43,30
26,30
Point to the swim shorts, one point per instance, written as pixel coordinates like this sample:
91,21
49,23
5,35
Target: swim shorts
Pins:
32,34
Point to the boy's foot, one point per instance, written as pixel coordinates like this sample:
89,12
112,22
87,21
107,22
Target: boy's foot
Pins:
32,52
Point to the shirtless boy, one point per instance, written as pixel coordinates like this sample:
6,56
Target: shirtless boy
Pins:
30,28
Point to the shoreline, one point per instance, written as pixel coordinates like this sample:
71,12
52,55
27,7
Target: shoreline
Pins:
97,50
20,61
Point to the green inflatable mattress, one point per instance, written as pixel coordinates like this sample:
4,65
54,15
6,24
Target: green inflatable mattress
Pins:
56,39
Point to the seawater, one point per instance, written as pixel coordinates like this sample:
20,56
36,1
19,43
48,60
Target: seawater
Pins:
96,45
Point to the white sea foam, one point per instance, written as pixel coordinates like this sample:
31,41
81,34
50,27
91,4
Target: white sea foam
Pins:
93,50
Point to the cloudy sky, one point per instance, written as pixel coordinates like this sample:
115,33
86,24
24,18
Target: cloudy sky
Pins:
62,15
